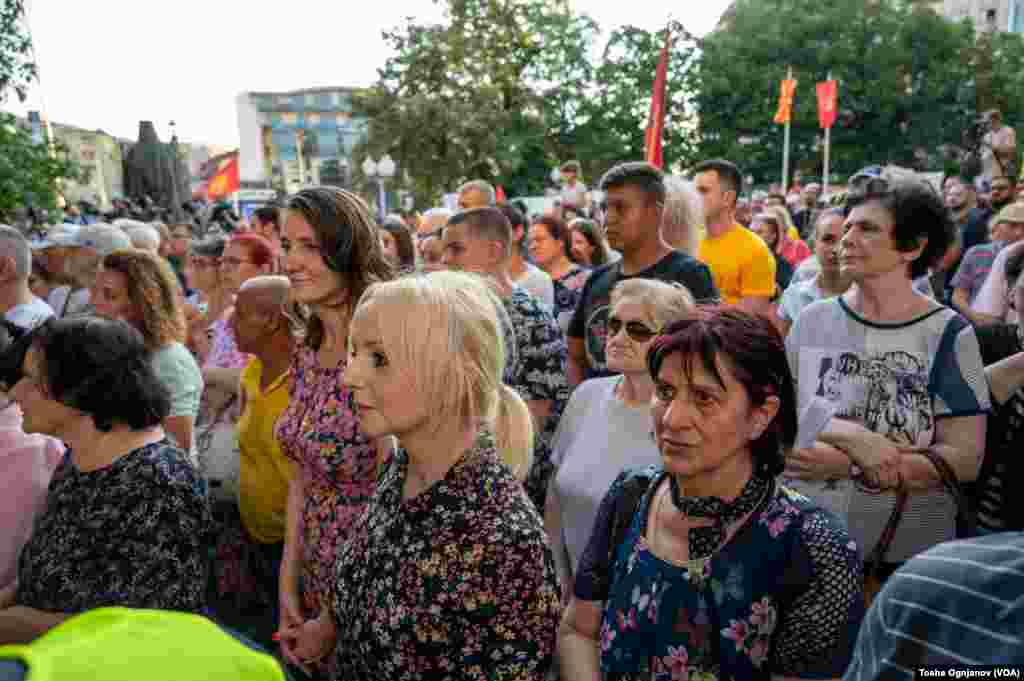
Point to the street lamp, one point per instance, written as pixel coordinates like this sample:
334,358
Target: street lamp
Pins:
175,198
381,171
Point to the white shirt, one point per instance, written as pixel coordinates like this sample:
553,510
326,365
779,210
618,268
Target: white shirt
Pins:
538,284
30,314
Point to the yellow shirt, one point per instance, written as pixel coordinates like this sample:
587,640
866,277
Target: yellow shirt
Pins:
264,470
793,234
740,264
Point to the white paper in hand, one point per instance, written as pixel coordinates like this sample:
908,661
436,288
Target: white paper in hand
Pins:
813,420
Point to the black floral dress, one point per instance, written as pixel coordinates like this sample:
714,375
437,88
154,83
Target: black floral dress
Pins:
536,369
456,583
134,534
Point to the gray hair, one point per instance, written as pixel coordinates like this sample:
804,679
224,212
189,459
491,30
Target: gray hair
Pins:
482,186
682,217
144,237
14,245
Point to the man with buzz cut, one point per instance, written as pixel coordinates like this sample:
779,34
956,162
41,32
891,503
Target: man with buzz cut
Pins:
741,263
480,241
634,208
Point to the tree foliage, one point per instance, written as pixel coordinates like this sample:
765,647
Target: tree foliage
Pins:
505,89
17,66
29,172
906,83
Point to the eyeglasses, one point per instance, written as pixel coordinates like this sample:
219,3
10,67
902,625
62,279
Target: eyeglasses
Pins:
637,332
204,264
233,263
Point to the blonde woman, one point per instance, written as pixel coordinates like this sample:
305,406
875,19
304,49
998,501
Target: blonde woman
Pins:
448,573
682,220
140,288
607,425
781,236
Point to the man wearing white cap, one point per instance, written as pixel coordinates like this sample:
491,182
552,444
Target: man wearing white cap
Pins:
88,246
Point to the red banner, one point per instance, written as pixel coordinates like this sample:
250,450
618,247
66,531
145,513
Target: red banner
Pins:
786,92
225,179
828,96
656,121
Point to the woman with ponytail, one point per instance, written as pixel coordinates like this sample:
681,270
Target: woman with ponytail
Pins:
447,574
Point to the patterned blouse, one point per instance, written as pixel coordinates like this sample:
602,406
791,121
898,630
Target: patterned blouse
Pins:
457,583
568,289
134,534
782,597
320,431
224,353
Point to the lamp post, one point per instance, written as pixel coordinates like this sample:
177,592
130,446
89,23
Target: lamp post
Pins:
380,171
175,198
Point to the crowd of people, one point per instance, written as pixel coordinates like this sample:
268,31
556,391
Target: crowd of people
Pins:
668,433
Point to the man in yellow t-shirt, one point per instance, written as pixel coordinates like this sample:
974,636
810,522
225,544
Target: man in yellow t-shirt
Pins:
741,264
262,329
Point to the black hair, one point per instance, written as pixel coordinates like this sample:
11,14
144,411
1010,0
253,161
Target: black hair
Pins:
729,175
14,344
516,218
558,231
101,367
269,214
394,226
639,174
755,353
211,247
918,212
487,223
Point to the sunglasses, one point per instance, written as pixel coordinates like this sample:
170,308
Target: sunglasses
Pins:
637,332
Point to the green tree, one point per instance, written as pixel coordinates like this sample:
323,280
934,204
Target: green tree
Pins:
29,172
17,66
905,84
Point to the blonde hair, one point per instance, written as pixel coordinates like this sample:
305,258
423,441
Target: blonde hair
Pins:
663,303
443,329
682,218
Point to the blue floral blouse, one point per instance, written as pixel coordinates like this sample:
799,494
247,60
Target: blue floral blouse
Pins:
783,596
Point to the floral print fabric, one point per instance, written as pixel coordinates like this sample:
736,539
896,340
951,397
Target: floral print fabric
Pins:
135,534
782,597
536,369
455,583
568,290
320,431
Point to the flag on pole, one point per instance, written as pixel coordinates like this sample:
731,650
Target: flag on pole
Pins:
828,95
656,121
224,180
499,194
786,92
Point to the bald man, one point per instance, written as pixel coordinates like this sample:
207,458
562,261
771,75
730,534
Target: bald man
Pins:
263,329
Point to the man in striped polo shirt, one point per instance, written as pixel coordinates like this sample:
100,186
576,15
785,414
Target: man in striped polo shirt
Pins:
959,603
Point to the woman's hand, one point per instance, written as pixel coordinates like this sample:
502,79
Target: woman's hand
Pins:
308,643
876,455
820,461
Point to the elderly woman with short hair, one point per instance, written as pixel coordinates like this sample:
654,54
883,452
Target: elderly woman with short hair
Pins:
126,522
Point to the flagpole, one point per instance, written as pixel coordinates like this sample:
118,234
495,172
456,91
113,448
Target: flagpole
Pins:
785,148
828,149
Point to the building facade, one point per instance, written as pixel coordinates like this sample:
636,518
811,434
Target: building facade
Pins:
987,15
289,140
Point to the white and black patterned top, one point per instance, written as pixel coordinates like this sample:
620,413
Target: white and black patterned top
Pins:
536,369
134,534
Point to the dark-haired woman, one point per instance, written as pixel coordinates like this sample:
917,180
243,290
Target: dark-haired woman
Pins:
550,244
703,567
396,242
332,254
126,521
587,243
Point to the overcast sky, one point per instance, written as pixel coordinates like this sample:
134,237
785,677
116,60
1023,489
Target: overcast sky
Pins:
111,63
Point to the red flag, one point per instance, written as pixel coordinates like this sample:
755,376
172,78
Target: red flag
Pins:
786,92
224,180
656,121
828,94
499,194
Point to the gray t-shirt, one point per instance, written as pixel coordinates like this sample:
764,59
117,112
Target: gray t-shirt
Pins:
538,284
895,379
797,296
598,437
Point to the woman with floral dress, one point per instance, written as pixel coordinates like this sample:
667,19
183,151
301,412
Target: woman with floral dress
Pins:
550,244
704,568
447,575
332,254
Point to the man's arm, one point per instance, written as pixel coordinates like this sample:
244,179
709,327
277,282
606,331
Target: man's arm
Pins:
1006,377
21,625
756,305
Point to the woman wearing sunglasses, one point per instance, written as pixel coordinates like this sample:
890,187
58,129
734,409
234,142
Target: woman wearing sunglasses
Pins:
607,425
